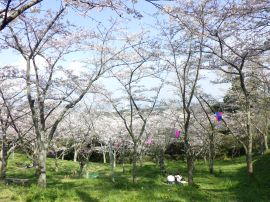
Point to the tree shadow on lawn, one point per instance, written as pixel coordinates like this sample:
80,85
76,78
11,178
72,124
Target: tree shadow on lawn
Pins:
84,196
240,187
256,187
27,175
150,186
237,184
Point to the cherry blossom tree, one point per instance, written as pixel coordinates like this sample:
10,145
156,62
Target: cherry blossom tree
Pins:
161,129
183,54
229,42
135,101
234,43
112,137
209,128
11,9
52,90
14,116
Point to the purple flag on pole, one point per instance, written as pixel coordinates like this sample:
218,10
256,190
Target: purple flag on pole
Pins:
218,116
177,133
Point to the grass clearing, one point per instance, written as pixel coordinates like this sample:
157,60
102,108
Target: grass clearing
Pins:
230,183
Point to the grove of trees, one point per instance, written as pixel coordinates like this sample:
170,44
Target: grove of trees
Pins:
109,77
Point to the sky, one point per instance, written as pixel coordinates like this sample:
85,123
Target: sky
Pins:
133,24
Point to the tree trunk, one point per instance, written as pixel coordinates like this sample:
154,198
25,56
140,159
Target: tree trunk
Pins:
261,144
4,159
211,165
63,155
123,159
265,143
266,134
82,164
42,156
161,161
266,117
134,163
3,164
56,162
104,156
35,162
190,166
188,150
103,153
250,141
114,158
123,166
211,154
75,154
205,160
157,159
140,158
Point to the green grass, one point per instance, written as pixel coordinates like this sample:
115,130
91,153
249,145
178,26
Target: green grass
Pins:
229,183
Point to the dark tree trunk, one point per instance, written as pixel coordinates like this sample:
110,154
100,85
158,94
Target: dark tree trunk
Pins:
190,165
82,165
211,153
123,159
112,160
188,149
156,159
161,161
4,159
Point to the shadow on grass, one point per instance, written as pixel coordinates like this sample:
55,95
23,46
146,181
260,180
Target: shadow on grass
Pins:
29,174
84,196
257,186
151,186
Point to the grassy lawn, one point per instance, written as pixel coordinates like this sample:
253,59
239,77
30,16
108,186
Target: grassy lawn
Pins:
230,183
